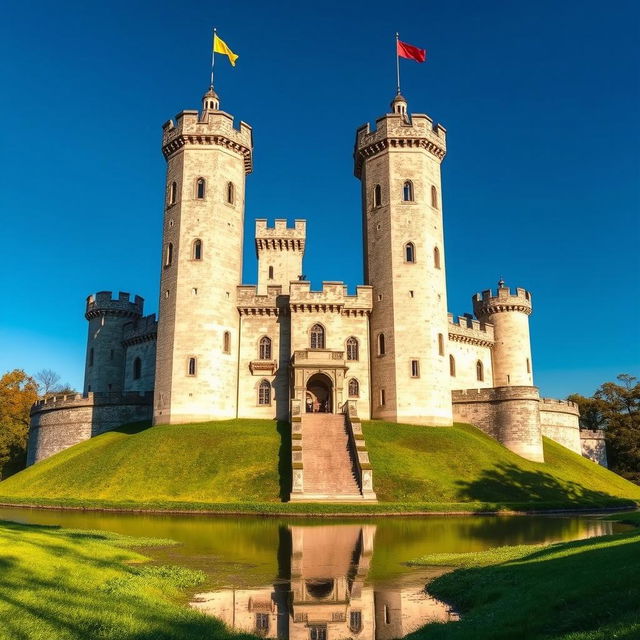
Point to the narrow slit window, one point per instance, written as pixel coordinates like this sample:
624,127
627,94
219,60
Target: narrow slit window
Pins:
231,193
409,252
270,273
201,188
91,357
452,366
192,367
436,257
264,348
383,398
434,197
528,365
381,344
168,257
137,369
407,191
415,369
173,193
264,393
226,342
440,344
197,249
377,195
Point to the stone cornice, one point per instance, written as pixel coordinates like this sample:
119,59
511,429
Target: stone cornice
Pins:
291,244
144,337
467,339
489,308
262,311
175,144
122,313
378,146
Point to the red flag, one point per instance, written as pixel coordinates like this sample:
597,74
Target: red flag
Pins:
409,51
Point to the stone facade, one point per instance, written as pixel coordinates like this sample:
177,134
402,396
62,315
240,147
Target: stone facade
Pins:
593,446
560,422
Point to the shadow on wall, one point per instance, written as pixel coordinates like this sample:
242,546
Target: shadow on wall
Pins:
284,460
507,483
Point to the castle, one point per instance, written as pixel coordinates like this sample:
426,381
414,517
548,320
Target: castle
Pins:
323,360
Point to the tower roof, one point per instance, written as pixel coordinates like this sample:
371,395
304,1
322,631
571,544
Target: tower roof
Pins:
210,101
399,104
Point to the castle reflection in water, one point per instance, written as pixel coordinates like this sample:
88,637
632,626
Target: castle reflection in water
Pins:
321,592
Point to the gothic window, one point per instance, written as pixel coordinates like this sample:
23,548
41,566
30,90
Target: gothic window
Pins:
352,349
377,195
452,366
317,336
173,193
270,273
91,357
137,369
264,348
192,368
434,197
381,344
264,393
231,193
201,188
440,344
168,256
355,621
436,257
197,249
354,388
226,342
415,369
409,252
407,191
479,371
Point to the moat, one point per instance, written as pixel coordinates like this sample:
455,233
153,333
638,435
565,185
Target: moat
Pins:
320,578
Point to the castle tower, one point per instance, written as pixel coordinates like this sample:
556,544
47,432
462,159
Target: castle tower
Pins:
197,352
105,358
398,164
280,251
509,313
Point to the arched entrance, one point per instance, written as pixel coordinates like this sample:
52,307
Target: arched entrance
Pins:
319,394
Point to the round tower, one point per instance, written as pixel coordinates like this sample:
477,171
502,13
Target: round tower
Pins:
508,311
398,163
105,359
208,158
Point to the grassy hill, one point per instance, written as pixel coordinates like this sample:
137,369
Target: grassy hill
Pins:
246,463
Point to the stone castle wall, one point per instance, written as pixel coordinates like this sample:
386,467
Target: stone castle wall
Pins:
470,342
593,446
559,421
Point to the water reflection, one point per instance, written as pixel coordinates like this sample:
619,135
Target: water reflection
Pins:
322,592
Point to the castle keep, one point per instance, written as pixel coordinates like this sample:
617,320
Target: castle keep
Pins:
323,360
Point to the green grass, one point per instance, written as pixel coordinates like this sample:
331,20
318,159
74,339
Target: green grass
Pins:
582,590
61,584
244,466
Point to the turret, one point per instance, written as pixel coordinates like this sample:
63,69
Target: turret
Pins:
105,358
508,311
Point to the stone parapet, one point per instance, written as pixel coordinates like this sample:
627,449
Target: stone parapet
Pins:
280,236
251,302
486,303
103,303
91,399
559,406
466,329
333,297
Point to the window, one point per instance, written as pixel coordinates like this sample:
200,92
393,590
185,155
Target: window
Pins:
231,193
381,344
264,348
387,617
436,257
440,344
201,188
355,621
382,397
352,349
270,273
168,255
434,197
137,369
409,252
192,368
407,191
91,357
262,623
317,337
226,342
377,195
479,371
452,366
173,193
197,249
318,632
264,393
415,369
354,388
528,365
111,354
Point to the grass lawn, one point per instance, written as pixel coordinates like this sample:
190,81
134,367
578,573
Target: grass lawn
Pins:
582,590
244,466
61,584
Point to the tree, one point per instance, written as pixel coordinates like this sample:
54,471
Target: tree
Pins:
18,392
48,382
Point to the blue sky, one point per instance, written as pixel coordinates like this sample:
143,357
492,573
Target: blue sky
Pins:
540,184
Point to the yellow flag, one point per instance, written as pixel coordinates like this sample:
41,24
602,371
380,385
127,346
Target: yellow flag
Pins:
220,46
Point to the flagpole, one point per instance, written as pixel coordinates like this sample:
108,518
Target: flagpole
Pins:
397,66
213,55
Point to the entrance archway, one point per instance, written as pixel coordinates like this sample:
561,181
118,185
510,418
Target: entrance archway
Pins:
319,394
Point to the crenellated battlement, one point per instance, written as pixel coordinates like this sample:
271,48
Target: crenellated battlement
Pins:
466,329
397,130
140,330
103,303
250,302
212,128
505,299
333,297
560,406
90,399
280,237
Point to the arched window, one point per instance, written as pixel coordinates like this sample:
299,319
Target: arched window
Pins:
137,369
270,273
226,342
317,336
377,195
231,193
173,193
355,621
264,393
352,349
197,249
452,366
407,191
91,357
436,257
381,344
479,371
434,197
192,367
201,188
264,348
440,344
409,252
168,256
354,388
